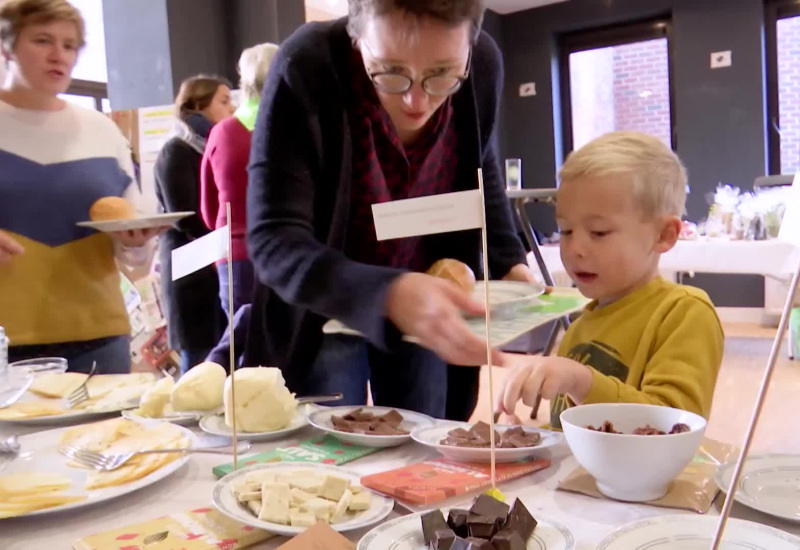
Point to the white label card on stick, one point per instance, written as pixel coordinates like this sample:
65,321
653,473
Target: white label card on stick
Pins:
428,215
199,253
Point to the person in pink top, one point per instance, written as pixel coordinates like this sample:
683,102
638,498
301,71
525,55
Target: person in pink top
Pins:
223,174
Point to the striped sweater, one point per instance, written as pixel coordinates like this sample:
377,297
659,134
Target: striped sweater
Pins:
53,167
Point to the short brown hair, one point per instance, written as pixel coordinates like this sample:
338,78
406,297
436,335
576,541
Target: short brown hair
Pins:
447,11
196,94
15,15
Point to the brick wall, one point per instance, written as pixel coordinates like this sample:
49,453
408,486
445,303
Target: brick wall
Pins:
789,92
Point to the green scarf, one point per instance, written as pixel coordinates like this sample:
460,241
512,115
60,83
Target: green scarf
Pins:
247,113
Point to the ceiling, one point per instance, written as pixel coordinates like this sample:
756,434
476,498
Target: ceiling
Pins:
510,6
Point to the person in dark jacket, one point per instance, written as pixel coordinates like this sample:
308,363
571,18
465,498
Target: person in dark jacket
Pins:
398,100
195,320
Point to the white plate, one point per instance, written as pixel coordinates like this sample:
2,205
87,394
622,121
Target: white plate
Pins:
692,532
225,501
67,419
769,484
321,419
506,296
149,222
431,436
405,533
39,454
215,425
179,418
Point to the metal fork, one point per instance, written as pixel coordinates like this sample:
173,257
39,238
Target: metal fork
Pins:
10,445
98,461
81,393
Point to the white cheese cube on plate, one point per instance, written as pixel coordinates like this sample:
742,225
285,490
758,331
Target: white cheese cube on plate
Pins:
341,507
255,507
360,502
275,511
355,489
247,497
309,483
299,496
333,488
259,477
320,507
302,519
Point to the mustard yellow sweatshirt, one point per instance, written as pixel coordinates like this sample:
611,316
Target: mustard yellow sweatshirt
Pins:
660,345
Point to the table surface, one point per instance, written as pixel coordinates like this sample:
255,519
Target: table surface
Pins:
589,519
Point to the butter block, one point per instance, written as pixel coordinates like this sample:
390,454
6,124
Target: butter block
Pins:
360,502
333,488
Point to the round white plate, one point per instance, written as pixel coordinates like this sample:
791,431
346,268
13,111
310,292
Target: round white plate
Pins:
692,532
225,501
769,484
39,454
321,419
405,533
149,222
506,296
179,418
215,425
431,436
67,419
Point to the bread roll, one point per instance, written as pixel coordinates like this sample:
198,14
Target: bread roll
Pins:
111,208
263,403
453,270
200,389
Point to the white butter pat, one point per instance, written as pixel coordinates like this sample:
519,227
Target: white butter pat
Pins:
299,518
200,389
360,502
341,507
263,404
247,497
300,497
156,399
320,507
333,488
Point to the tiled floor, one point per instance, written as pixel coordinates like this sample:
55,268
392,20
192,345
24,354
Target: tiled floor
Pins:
746,351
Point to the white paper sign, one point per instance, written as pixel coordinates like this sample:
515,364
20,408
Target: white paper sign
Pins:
790,227
199,253
428,215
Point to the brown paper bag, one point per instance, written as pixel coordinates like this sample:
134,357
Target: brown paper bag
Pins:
694,489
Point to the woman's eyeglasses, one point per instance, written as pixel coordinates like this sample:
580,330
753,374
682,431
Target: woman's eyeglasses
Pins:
438,85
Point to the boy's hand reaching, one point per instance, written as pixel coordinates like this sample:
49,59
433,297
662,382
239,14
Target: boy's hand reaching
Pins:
545,376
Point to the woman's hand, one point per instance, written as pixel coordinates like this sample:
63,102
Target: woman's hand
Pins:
9,248
136,238
430,309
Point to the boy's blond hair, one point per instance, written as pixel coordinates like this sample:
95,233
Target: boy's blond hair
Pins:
659,176
15,15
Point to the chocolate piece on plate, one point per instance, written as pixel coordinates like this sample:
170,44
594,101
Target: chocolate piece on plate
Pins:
482,527
392,418
458,433
479,544
520,521
508,540
382,428
460,544
359,415
457,520
443,539
679,429
486,505
481,432
341,424
431,522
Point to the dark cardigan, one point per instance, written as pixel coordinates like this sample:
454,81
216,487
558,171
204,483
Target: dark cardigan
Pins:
299,200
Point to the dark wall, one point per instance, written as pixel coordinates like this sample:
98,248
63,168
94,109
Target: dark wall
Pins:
719,114
493,24
198,39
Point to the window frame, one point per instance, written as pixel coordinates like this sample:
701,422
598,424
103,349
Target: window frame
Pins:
775,11
96,90
604,37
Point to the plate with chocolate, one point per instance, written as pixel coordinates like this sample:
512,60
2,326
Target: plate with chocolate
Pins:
471,443
488,524
369,426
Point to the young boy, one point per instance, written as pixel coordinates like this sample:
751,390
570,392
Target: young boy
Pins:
642,339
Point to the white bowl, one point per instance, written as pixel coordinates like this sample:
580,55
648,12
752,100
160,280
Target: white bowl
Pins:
321,420
633,468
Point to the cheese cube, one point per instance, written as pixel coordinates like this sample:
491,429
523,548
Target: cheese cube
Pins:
247,487
259,476
333,488
355,489
276,491
255,507
248,497
302,519
274,511
360,502
341,507
299,496
309,483
320,507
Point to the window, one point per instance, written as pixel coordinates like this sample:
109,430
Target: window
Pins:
616,79
783,86
92,61
92,95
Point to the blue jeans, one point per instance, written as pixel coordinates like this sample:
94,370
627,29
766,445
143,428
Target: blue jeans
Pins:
244,284
410,378
192,357
113,354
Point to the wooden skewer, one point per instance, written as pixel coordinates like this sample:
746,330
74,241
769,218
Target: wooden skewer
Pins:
485,241
762,395
232,367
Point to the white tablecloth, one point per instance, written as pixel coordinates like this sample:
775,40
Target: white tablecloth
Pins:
770,258
190,487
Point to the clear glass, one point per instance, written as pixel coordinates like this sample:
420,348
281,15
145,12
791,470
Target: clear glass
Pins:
41,365
622,87
513,174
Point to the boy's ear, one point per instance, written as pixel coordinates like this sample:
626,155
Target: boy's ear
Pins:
670,232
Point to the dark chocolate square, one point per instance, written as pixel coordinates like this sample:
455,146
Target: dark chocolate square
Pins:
482,527
431,522
457,520
520,520
443,539
508,540
486,505
479,544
